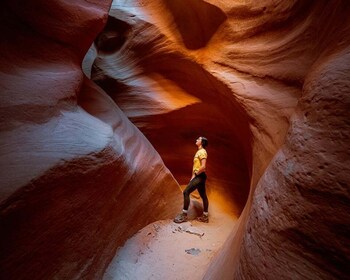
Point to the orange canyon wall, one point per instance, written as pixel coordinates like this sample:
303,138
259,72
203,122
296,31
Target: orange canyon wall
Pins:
85,164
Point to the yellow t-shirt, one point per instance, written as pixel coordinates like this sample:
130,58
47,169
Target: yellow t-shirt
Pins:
201,154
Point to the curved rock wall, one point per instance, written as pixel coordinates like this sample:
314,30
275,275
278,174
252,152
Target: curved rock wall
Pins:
295,224
75,172
266,82
172,98
238,87
239,82
299,223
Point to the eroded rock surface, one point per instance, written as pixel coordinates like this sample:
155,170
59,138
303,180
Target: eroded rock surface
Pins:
84,168
299,224
245,88
172,98
73,167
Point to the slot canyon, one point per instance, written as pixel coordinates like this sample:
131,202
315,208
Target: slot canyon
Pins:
101,104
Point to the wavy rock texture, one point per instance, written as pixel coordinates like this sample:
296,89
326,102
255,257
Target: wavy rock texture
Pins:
173,99
75,172
245,76
266,81
299,223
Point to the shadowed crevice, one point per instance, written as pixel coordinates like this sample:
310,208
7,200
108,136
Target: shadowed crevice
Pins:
114,35
196,20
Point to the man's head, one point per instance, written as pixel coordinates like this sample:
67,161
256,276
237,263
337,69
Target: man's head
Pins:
204,141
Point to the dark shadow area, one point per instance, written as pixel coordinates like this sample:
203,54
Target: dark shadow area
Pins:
113,37
196,20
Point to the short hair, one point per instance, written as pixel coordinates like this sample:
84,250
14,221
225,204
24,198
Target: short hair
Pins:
204,142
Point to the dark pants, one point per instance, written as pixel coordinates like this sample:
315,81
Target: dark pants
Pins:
197,182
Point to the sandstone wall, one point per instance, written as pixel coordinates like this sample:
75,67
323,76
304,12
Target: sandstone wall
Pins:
75,172
242,73
295,224
84,164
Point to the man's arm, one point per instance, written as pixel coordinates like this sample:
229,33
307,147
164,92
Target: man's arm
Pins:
203,166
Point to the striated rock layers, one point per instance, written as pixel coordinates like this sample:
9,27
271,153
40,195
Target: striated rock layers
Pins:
299,222
82,167
268,84
77,177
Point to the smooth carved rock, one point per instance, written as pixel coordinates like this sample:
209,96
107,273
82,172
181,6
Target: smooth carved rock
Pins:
299,224
267,82
73,167
196,20
172,100
244,87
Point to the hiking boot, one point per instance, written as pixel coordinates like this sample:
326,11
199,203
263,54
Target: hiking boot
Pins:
181,218
203,219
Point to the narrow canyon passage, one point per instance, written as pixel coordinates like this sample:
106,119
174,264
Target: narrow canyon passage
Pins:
100,106
239,87
161,253
173,100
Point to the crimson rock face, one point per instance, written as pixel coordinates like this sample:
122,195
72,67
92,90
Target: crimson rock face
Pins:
85,167
72,165
300,208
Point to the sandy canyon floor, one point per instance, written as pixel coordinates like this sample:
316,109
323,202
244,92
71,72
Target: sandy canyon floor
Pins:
166,250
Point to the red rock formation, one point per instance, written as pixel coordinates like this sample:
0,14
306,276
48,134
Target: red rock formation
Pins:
266,82
173,100
73,167
195,33
295,224
241,87
299,222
